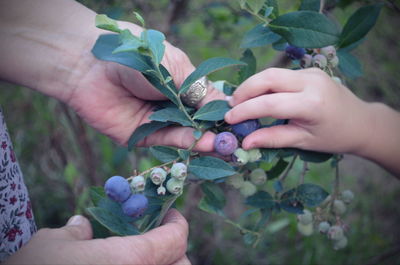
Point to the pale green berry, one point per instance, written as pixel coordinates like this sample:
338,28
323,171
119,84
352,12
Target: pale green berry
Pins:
175,186
347,196
329,52
335,232
339,207
305,218
161,190
258,176
138,183
158,175
323,227
241,156
334,61
305,230
337,80
179,171
235,180
254,155
306,61
341,243
248,189
319,61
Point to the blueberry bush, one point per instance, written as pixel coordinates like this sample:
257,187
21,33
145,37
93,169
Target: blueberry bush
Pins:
308,38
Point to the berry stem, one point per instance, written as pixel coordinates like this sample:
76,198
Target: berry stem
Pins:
286,173
303,173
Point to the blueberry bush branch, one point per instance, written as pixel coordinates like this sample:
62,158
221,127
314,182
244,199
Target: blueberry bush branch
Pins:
308,38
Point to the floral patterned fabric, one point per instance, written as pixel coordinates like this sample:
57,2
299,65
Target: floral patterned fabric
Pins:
16,219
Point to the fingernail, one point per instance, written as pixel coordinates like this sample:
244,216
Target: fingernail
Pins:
75,220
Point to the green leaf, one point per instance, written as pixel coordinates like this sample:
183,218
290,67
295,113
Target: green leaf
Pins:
164,153
213,111
312,156
290,203
197,134
210,168
250,69
349,65
183,154
249,238
259,36
261,199
255,5
207,67
172,115
140,19
278,169
155,40
106,44
130,43
311,5
113,222
96,195
268,154
280,45
359,24
104,22
145,130
306,29
311,195
169,91
214,195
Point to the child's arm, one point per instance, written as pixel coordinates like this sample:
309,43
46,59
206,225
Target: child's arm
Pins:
324,116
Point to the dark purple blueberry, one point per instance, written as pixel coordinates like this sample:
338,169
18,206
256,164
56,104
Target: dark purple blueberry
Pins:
117,189
225,143
295,53
135,205
245,127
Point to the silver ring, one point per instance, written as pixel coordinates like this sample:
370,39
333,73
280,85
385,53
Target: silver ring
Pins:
196,92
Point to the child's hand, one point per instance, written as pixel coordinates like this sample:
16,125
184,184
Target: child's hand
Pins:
324,115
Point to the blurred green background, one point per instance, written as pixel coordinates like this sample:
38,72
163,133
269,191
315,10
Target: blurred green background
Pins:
61,156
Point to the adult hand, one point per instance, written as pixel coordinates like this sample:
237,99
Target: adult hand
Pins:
323,116
73,244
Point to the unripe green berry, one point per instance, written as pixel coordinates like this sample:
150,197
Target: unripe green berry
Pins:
323,227
258,176
175,186
179,171
319,61
306,61
335,232
305,218
235,180
247,189
158,175
347,196
305,230
337,80
334,61
254,155
161,190
339,207
329,52
138,183
241,156
341,243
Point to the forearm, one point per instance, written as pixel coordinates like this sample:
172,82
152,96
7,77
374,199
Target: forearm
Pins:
45,44
383,141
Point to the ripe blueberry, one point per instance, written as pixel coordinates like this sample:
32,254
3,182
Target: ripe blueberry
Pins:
295,53
117,189
179,171
135,205
158,176
244,128
225,143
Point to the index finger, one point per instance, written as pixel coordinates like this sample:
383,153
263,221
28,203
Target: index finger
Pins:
268,81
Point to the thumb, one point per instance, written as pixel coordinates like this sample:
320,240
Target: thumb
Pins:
77,228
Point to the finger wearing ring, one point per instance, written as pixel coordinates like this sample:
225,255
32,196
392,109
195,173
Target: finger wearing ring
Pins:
196,92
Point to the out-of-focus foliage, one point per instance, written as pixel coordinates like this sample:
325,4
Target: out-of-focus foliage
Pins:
60,156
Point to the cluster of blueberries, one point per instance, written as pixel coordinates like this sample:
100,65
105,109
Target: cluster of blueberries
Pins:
334,232
320,58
